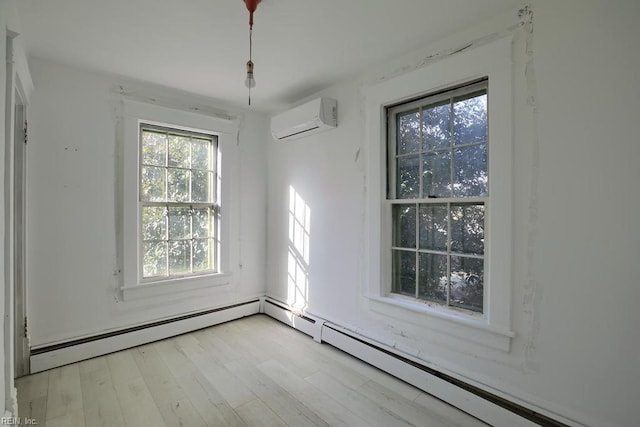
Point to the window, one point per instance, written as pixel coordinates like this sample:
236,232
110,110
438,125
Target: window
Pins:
439,202
178,174
438,187
179,209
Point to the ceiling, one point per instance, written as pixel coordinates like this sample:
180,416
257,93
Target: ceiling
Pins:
201,46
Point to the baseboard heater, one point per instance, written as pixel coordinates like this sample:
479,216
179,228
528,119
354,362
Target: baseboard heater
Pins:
480,403
297,320
59,354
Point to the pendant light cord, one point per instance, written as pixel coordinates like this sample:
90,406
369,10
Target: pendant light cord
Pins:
250,50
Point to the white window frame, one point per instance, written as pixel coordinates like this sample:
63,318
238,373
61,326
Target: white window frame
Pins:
212,204
422,201
134,114
493,327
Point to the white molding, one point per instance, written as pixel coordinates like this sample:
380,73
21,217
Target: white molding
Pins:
51,359
179,118
163,287
492,60
134,112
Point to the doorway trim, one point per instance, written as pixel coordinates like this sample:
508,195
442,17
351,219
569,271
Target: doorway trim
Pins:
21,339
18,87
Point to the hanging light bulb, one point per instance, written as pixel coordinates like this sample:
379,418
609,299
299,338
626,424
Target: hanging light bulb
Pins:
250,82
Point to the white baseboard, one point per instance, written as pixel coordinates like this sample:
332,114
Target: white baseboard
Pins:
43,359
455,396
403,368
309,325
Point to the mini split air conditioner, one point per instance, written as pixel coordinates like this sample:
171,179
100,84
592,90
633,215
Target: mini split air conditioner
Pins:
315,116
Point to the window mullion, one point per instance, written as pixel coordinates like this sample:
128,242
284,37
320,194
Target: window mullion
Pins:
451,145
417,246
191,239
452,194
448,253
166,243
190,168
420,195
420,154
213,243
166,198
392,159
191,212
212,212
213,167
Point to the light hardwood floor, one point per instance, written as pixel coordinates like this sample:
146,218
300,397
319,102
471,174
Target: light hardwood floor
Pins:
249,372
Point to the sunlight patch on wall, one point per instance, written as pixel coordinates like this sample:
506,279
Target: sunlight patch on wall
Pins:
298,257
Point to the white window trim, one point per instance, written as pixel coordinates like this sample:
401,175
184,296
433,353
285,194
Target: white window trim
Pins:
134,114
493,327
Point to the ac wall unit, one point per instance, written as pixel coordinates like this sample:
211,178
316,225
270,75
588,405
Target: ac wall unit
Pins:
307,119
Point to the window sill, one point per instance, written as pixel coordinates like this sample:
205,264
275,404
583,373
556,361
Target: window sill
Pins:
470,327
170,286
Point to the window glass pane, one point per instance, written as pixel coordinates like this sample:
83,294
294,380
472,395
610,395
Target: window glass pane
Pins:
179,257
470,119
176,168
433,227
200,185
178,185
432,277
154,148
436,126
408,180
441,152
436,175
467,283
467,229
470,171
200,153
152,180
404,231
202,222
154,261
179,147
179,223
154,225
404,273
408,133
202,254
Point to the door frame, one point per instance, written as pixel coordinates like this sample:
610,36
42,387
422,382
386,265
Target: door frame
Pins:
18,88
22,350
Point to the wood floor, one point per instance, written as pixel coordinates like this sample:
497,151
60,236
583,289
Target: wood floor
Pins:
250,372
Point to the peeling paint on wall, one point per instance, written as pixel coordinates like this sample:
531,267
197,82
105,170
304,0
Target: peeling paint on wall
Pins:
532,288
142,95
437,56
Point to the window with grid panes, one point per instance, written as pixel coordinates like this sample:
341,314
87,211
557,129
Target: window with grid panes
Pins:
438,187
178,205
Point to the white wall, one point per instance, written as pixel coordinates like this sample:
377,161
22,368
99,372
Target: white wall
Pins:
73,264
575,237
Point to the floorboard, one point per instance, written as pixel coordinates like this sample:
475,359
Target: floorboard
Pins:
254,371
